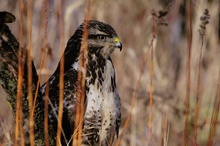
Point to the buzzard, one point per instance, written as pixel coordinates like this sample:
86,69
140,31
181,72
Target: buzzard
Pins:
102,102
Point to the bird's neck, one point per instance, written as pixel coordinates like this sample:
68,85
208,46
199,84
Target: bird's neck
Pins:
99,69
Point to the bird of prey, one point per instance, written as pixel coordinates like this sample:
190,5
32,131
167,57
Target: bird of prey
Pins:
102,114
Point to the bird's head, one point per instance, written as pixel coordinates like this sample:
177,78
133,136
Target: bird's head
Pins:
102,38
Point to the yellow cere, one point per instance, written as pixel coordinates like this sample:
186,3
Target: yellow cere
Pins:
117,40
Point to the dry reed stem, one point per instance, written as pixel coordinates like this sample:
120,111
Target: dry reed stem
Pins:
42,56
61,76
204,21
197,95
187,103
164,130
151,80
215,114
29,63
46,102
81,80
19,122
46,133
53,108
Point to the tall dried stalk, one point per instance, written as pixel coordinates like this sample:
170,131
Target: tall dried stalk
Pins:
61,76
204,21
197,96
81,80
43,52
187,103
46,102
19,123
164,130
215,114
29,64
151,79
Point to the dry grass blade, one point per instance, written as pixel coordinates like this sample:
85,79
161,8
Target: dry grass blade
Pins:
151,78
29,64
81,80
42,55
165,127
197,97
18,122
187,103
61,76
215,114
204,21
46,133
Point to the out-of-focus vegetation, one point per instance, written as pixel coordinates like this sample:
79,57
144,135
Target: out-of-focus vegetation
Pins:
132,21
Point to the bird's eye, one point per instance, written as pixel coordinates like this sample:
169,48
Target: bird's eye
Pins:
101,37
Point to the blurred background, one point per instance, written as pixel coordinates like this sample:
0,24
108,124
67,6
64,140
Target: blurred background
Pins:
132,21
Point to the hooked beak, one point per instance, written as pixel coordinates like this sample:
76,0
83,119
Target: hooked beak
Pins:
118,44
